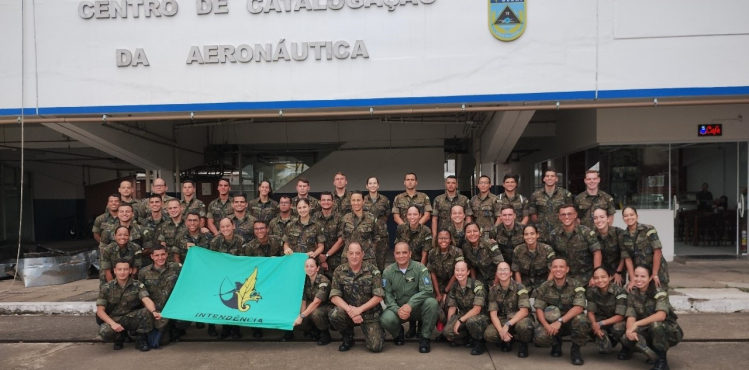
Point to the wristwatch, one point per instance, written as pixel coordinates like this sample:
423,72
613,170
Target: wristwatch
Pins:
560,320
302,315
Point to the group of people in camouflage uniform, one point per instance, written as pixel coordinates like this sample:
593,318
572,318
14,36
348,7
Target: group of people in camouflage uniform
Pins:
471,276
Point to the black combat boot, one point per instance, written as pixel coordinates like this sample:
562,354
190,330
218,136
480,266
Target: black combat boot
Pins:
523,350
479,347
225,332
235,333
348,341
288,336
577,359
257,333
324,338
625,353
212,330
661,363
142,343
424,345
411,329
398,340
118,342
505,346
556,349
199,325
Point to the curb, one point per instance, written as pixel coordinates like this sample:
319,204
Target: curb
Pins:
48,308
703,300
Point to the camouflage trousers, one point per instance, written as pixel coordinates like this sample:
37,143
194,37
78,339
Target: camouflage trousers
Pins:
374,336
475,325
318,319
614,332
426,312
381,252
577,328
139,320
442,311
522,331
661,335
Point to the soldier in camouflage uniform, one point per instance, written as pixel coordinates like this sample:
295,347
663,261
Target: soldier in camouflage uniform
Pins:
189,201
607,304
484,207
409,296
119,308
219,207
509,312
512,198
593,198
648,302
316,306
508,234
263,244
106,219
158,187
263,208
242,219
416,235
409,198
151,223
457,226
379,206
357,291
302,192
138,234
330,222
466,312
362,228
168,231
566,297
441,265
126,197
277,226
121,249
543,206
640,245
341,197
611,253
444,203
531,261
481,254
227,242
159,279
577,244
304,235
190,237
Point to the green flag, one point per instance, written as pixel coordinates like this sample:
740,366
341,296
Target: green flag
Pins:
218,288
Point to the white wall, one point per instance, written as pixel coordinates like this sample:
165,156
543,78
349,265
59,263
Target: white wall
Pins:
443,52
389,165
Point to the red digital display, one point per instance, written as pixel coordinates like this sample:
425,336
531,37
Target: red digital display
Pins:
710,130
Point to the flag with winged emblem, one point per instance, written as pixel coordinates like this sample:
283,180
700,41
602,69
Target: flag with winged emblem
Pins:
218,288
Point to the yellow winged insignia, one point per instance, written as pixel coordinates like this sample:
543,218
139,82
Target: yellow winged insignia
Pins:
247,292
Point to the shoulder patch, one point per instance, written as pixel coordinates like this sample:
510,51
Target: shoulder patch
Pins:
580,289
425,269
620,296
522,291
494,247
651,232
550,255
476,289
323,285
376,272
427,281
592,233
459,259
384,282
142,286
661,294
428,237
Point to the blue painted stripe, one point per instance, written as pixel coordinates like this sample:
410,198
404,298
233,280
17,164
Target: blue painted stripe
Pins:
382,102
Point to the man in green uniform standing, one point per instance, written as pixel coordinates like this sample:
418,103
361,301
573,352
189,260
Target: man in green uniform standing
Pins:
593,198
105,220
409,296
484,207
444,203
330,222
189,201
544,204
219,207
577,244
277,226
302,192
409,198
341,196
357,291
511,197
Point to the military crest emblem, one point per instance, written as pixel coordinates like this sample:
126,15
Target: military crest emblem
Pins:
507,18
237,295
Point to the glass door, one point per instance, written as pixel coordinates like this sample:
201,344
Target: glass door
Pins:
742,180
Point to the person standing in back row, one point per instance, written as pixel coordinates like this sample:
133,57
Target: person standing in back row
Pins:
593,198
409,198
484,207
511,197
444,203
544,205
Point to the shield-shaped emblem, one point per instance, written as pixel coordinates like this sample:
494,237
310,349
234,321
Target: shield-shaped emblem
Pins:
507,18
